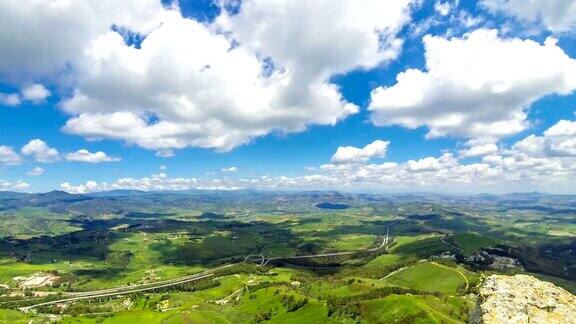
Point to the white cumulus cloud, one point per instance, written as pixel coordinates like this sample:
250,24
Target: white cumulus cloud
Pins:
13,186
35,92
37,171
9,156
41,151
351,154
84,155
89,186
10,99
557,141
231,169
478,148
477,86
331,36
431,164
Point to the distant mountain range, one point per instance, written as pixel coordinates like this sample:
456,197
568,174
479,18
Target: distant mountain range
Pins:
58,195
132,192
116,201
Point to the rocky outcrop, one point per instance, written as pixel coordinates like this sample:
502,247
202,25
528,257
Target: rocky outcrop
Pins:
523,299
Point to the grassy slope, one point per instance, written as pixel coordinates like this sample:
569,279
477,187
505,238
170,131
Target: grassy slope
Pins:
13,316
353,242
471,242
429,277
404,308
30,222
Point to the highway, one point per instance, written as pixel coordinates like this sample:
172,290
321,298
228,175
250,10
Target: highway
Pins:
92,295
131,289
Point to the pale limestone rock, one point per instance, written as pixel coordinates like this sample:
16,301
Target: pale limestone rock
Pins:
523,299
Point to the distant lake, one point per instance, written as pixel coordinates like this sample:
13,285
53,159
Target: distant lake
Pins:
148,215
329,205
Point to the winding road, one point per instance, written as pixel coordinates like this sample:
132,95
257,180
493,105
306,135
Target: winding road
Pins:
385,240
443,239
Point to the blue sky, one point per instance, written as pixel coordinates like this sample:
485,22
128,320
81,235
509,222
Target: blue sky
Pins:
300,138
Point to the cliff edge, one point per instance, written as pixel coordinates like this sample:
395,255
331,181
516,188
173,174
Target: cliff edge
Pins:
523,299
